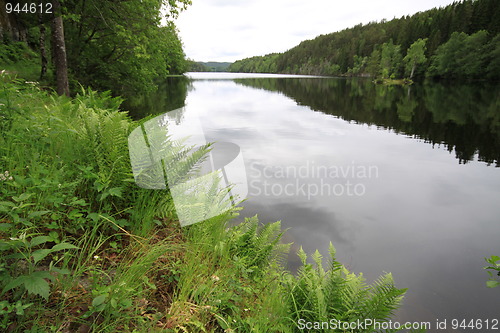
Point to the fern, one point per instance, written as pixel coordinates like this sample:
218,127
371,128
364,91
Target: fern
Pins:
256,246
318,295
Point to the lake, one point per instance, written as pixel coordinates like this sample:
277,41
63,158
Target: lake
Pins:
400,179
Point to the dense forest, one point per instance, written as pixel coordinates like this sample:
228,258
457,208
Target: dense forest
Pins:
109,45
461,40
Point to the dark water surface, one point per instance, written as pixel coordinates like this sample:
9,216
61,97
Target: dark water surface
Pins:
400,179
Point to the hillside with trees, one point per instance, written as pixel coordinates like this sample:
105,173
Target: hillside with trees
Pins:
461,40
211,66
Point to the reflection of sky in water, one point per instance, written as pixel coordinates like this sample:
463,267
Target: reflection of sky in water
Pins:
426,218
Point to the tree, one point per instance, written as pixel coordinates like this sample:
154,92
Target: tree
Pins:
390,60
445,61
415,55
59,50
123,46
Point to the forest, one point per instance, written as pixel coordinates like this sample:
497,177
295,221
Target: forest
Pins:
459,41
108,45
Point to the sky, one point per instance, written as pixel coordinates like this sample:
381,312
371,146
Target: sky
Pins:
229,30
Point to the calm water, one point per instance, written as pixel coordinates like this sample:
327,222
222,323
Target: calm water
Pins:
399,179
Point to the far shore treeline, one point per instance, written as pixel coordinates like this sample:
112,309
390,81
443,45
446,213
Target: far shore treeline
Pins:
459,41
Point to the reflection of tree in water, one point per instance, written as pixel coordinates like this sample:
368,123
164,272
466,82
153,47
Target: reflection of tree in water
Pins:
406,107
464,117
170,95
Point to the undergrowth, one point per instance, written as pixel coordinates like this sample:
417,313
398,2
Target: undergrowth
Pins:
17,58
82,248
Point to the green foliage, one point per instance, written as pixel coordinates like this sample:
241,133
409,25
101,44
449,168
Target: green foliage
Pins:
238,285
170,95
241,285
26,251
377,48
8,310
415,56
194,66
11,53
358,67
316,295
212,66
254,247
120,46
260,64
390,60
18,58
493,268
465,56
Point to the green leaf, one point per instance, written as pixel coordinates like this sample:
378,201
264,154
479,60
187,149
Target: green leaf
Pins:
14,256
115,191
40,240
40,254
13,284
79,202
492,284
113,303
493,259
94,217
36,285
63,271
20,307
75,213
43,275
24,205
38,213
63,246
99,300
22,197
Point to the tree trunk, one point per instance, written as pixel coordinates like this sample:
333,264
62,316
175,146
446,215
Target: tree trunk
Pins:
43,53
413,70
59,50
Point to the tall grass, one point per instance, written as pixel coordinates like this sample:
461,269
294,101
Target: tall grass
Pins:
84,249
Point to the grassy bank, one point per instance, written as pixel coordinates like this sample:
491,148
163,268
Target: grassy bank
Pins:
83,249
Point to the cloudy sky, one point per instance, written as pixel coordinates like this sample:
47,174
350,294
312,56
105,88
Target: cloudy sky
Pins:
228,30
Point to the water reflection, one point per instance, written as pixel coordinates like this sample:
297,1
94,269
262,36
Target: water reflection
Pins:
463,117
170,95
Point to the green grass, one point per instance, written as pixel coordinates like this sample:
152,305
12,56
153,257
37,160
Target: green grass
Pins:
18,59
83,248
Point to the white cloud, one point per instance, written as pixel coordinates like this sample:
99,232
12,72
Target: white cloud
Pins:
228,30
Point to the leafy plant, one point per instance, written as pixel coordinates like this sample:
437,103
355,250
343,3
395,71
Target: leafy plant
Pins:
316,295
493,268
26,250
255,247
7,309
